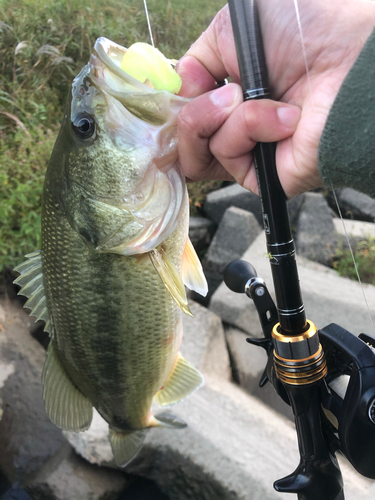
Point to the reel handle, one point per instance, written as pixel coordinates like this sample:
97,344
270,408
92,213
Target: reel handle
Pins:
237,274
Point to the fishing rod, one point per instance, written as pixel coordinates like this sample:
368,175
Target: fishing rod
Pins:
327,376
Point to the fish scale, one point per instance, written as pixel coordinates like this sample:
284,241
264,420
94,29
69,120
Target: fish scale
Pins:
103,315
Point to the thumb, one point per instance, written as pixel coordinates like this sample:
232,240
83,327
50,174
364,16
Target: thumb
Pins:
253,121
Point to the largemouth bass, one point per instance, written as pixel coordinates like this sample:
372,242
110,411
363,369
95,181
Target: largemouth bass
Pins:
109,278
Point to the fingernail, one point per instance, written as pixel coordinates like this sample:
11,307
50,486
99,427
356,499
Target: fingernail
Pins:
289,116
224,96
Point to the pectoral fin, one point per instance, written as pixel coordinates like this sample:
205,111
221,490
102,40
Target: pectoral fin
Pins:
125,446
65,405
183,380
192,272
171,278
31,281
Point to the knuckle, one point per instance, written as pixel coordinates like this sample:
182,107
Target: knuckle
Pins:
186,120
249,116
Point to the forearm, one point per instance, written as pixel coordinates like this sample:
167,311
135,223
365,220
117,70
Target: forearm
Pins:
346,155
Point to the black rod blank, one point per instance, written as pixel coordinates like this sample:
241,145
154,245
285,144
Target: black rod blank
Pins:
249,45
280,244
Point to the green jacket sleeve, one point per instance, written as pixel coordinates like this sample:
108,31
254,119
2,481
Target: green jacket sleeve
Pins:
346,155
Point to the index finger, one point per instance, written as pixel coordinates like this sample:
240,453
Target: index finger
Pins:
211,58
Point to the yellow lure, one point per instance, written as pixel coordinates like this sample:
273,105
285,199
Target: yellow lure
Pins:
144,62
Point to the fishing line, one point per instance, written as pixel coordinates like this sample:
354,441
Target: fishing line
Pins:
333,191
296,8
149,24
150,32
353,258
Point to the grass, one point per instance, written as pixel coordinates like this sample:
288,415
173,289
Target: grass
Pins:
364,255
43,45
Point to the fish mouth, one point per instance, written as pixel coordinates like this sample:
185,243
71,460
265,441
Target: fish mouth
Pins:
105,67
153,106
103,72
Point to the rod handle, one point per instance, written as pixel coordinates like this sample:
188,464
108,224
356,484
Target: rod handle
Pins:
318,474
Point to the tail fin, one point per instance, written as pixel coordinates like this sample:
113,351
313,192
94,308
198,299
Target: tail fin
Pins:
125,446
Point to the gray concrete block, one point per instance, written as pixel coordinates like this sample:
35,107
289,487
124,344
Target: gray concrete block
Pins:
204,343
237,230
327,296
316,238
16,493
234,195
234,448
354,228
28,439
201,231
355,205
74,478
294,206
237,310
248,364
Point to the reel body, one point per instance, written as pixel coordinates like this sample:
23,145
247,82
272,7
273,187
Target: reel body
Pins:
348,396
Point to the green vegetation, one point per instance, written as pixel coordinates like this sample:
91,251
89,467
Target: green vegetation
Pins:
43,45
364,255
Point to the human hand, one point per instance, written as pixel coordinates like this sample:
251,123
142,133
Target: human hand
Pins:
217,131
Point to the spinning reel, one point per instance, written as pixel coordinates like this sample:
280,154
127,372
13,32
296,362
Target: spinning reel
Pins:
327,376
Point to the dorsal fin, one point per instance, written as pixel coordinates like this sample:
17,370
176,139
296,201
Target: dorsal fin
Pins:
31,282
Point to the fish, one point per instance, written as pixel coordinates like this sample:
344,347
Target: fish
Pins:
109,280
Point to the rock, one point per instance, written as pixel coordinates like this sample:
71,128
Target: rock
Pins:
355,228
16,493
316,238
232,196
233,449
356,205
248,364
327,296
5,485
294,206
204,343
237,230
201,231
143,489
93,444
7,276
28,439
73,478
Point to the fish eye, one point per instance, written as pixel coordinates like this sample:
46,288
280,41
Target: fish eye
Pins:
83,126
